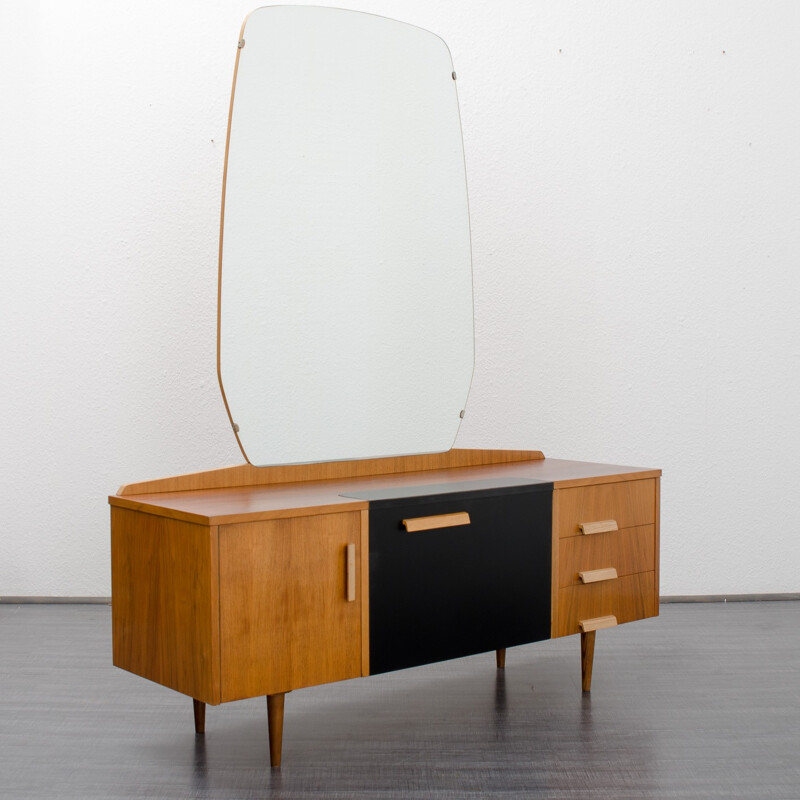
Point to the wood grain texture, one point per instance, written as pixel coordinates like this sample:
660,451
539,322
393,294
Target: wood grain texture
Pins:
628,598
437,521
597,623
572,478
199,716
555,556
604,526
629,551
630,503
165,616
351,573
364,519
229,506
587,659
248,475
597,575
271,501
285,622
657,545
275,705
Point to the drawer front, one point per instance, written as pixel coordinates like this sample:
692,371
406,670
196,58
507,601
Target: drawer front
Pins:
629,504
445,592
628,598
627,551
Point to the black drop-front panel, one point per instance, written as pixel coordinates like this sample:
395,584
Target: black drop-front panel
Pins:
452,592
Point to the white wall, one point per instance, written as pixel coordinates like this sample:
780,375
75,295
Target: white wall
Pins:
633,173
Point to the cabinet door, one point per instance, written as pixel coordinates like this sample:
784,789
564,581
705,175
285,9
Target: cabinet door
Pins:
285,617
449,592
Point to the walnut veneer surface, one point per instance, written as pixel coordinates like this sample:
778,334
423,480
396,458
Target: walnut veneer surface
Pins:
228,592
256,502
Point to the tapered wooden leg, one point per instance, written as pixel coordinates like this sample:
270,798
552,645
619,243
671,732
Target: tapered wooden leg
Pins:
275,720
501,658
199,716
587,657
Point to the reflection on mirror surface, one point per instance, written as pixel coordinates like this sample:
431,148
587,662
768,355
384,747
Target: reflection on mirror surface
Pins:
345,274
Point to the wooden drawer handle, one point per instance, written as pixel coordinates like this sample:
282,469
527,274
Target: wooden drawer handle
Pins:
596,575
351,573
439,521
603,526
597,623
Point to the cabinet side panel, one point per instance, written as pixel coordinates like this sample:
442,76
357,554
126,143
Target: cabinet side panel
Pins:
285,621
165,618
555,562
365,593
657,545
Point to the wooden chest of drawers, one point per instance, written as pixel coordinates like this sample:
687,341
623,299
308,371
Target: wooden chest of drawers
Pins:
605,550
253,581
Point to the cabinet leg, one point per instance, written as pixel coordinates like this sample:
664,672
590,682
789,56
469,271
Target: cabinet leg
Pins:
199,716
587,658
275,720
501,658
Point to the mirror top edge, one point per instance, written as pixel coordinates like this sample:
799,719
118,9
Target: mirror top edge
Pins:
310,8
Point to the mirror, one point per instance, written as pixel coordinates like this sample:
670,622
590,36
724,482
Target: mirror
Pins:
345,296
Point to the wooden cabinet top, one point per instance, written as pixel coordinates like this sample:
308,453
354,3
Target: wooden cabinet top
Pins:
245,493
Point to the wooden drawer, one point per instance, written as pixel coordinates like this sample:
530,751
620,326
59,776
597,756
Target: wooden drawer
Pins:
627,598
628,503
628,551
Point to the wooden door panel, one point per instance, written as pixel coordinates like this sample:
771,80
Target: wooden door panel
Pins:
285,621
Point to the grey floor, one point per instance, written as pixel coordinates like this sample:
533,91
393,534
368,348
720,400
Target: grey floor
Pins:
703,702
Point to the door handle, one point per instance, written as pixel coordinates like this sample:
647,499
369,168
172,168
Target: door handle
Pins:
438,521
603,526
596,575
351,573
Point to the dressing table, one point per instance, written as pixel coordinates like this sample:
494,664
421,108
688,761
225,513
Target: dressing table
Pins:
259,580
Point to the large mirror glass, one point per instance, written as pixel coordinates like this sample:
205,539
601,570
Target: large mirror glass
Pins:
345,321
